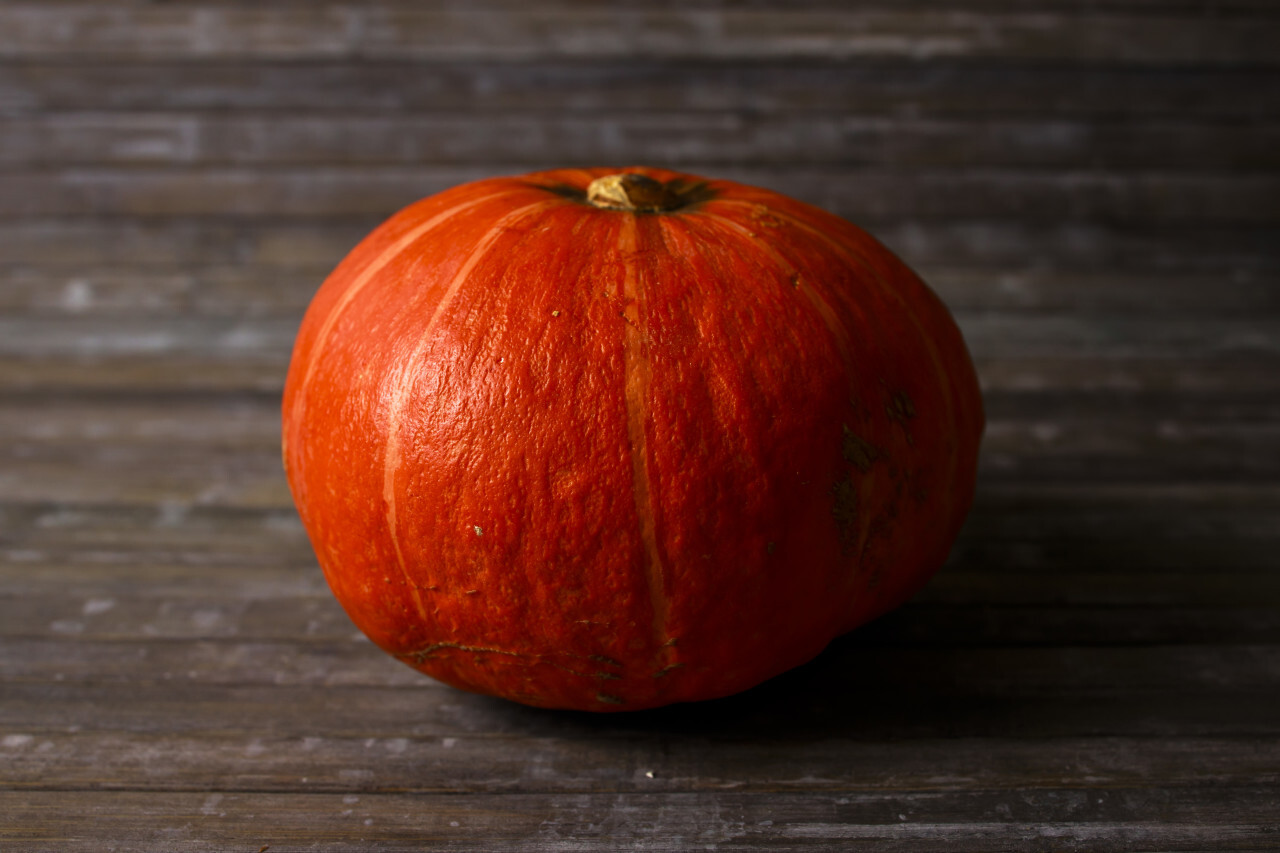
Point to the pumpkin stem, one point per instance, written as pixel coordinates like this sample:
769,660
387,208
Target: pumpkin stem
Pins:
632,191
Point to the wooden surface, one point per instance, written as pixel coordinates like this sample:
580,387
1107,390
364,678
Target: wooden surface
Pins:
1093,187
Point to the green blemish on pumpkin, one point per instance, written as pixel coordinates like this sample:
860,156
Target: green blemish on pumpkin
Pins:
609,699
857,451
604,660
900,407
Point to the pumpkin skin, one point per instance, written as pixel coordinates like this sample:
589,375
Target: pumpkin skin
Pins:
610,459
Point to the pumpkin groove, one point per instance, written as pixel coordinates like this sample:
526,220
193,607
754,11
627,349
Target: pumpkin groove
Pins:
401,384
636,393
367,274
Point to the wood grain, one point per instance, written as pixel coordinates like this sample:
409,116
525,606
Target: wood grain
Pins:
1100,93
316,245
767,821
196,31
871,143
566,764
1091,187
1245,200
253,291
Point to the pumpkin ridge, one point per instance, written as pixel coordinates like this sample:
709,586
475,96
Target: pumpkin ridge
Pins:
391,452
852,529
910,313
860,259
362,280
839,333
636,378
949,391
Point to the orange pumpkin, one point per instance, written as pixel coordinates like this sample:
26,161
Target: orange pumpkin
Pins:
610,441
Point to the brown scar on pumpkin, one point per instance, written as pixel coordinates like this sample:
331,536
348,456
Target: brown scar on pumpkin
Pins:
858,451
901,409
605,660
666,669
609,699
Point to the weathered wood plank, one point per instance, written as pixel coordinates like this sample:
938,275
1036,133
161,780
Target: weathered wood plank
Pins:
1212,586
1165,449
135,474
758,87
589,762
1032,567
81,244
1001,586
793,708
1020,527
1199,819
179,372
250,475
987,594
989,335
686,140
225,422
191,31
1014,288
94,575
232,457
1002,511
1013,352
1086,372
1159,7
126,533
100,605
91,337
174,373
252,421
1037,547
1029,196
1251,670
251,291
1021,601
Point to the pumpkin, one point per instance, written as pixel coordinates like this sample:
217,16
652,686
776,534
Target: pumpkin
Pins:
610,440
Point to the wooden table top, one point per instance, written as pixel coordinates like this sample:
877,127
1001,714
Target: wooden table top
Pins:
1093,190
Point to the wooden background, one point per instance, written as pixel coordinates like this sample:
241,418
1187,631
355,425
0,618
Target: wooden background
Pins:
1093,186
